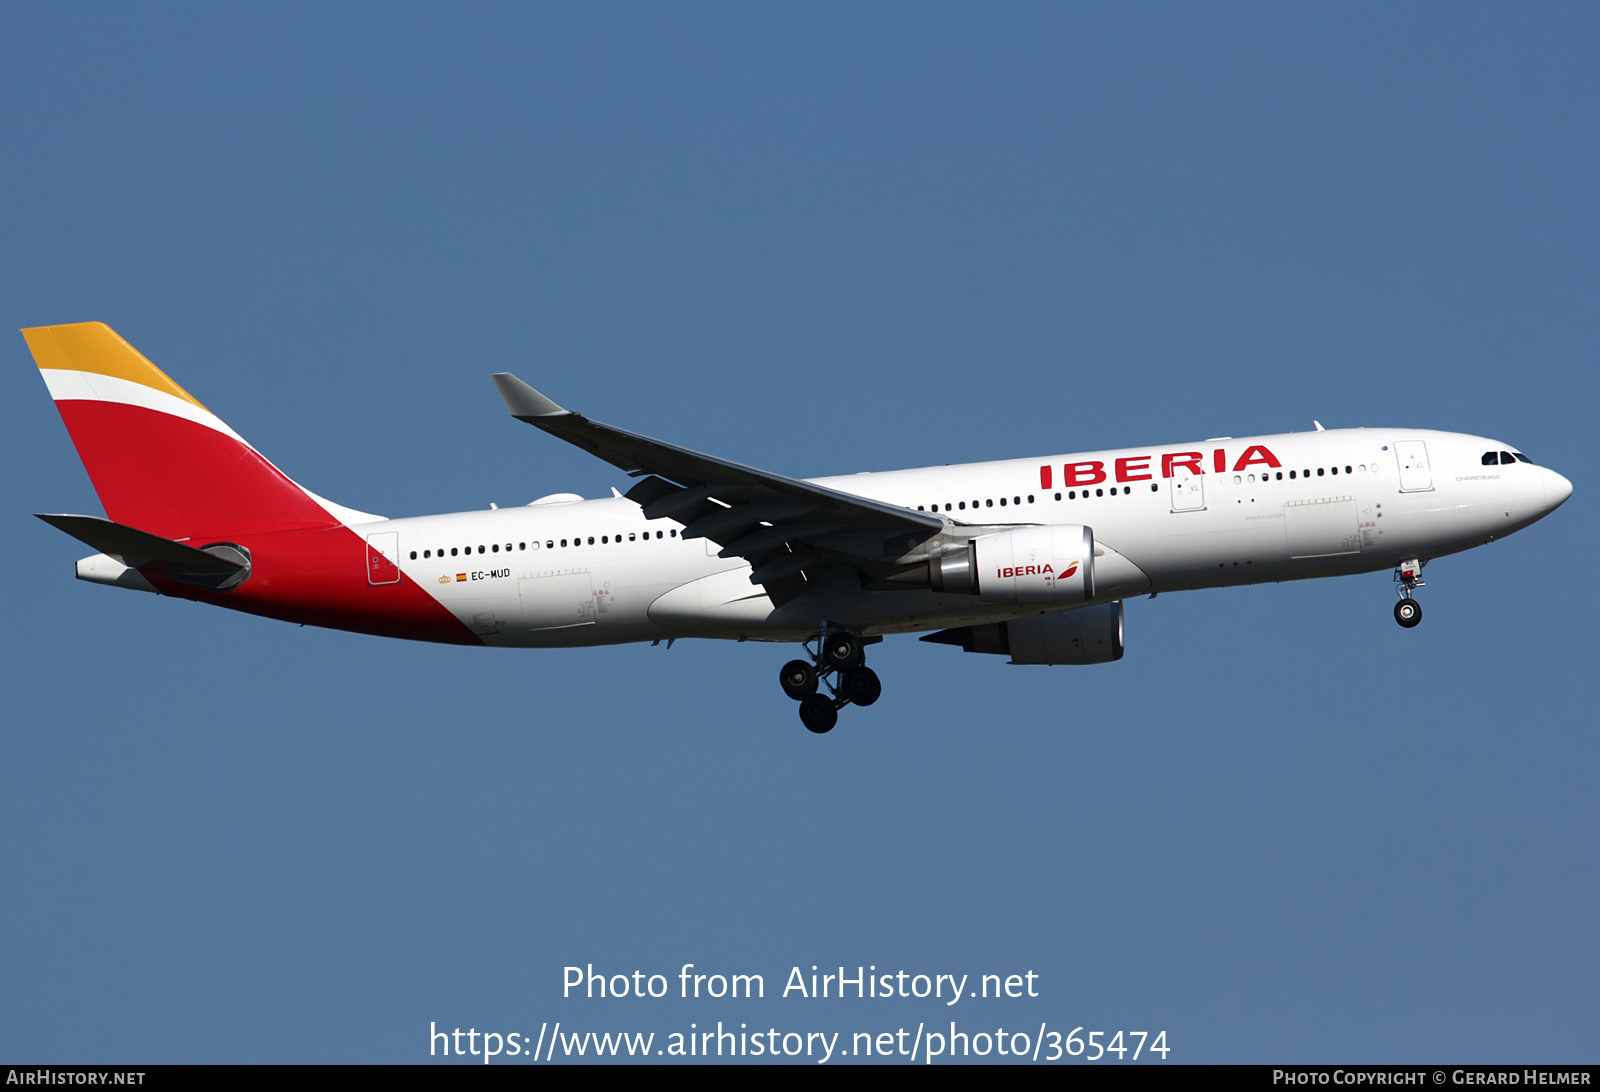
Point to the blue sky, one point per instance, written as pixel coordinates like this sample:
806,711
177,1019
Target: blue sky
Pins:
817,239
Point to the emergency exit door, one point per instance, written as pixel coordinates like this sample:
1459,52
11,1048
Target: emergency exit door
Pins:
383,558
1188,490
1415,474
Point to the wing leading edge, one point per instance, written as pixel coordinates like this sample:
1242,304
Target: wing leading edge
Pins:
782,526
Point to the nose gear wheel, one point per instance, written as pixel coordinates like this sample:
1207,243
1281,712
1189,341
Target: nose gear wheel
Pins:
1408,577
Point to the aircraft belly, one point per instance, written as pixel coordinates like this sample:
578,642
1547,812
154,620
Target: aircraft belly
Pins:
720,605
1116,577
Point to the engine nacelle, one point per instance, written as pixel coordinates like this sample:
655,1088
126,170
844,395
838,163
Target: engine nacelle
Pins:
1052,564
1088,635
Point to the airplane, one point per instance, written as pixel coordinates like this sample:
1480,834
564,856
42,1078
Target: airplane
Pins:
1028,558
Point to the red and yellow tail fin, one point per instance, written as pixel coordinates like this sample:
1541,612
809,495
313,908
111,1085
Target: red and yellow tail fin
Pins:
160,460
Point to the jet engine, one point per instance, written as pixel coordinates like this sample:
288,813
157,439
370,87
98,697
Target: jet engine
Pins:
1088,635
1052,564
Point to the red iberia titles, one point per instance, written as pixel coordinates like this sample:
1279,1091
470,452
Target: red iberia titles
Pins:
1139,468
1007,572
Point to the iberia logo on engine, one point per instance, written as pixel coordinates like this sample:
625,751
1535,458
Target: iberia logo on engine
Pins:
1040,570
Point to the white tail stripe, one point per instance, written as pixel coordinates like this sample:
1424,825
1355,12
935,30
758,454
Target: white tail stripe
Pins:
68,386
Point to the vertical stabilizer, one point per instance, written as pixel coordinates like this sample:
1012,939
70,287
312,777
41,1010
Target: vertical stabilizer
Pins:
160,460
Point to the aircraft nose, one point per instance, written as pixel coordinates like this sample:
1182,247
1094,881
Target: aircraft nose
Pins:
1556,490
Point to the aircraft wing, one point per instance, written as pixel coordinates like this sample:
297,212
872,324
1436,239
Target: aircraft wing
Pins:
781,525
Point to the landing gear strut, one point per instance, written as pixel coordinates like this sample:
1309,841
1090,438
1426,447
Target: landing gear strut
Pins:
1408,612
836,664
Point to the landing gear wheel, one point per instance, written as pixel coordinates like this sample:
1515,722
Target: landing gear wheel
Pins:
841,650
1408,612
860,685
818,714
798,679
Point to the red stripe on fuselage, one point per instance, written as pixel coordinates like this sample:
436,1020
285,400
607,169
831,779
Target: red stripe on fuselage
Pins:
179,479
318,577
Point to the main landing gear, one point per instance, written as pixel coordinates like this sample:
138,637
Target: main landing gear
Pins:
1408,612
837,664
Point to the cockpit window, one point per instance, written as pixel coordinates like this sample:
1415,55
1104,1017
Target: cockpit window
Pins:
1506,458
1521,458
1491,458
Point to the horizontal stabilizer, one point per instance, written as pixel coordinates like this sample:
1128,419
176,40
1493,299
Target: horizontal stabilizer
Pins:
141,550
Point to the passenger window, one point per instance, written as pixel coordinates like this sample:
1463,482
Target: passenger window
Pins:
1319,471
413,555
1058,496
1002,502
1099,492
452,551
963,506
550,543
987,504
1291,475
496,548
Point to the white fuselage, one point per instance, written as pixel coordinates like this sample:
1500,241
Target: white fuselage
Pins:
1208,514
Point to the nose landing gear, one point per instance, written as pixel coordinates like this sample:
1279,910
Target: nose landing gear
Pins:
1408,612
837,664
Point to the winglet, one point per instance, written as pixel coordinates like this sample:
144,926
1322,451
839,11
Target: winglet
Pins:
522,400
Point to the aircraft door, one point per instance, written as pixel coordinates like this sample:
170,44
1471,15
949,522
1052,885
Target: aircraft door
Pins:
383,558
1188,490
556,600
1415,474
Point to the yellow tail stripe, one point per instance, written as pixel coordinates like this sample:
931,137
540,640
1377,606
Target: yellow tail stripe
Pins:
96,347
